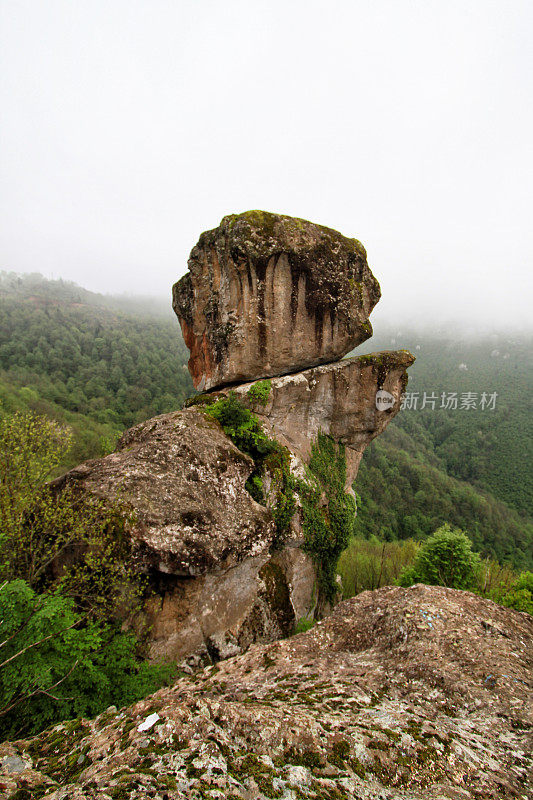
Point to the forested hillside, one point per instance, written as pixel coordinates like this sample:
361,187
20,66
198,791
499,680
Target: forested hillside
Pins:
101,364
490,447
462,448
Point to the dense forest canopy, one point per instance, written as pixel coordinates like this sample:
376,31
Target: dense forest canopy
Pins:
101,364
491,447
467,462
98,363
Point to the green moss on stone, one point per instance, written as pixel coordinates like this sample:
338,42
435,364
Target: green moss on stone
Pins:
259,392
327,528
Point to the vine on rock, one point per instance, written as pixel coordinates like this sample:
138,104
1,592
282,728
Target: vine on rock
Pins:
271,459
327,511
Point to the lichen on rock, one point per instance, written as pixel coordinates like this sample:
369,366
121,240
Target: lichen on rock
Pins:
184,481
404,694
268,294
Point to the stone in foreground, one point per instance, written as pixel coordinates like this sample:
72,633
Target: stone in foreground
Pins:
268,294
401,694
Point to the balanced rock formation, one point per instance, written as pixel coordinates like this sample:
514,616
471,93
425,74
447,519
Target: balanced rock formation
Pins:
338,399
268,294
200,537
205,544
265,295
400,694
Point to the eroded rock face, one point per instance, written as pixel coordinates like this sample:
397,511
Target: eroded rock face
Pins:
401,694
268,294
219,615
184,481
338,399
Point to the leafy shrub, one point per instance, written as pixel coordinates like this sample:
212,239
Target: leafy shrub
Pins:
519,595
445,559
371,564
259,392
66,575
49,537
242,427
56,664
245,431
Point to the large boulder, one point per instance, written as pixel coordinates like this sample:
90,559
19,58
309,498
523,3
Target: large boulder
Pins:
203,542
352,401
268,294
183,479
221,613
401,694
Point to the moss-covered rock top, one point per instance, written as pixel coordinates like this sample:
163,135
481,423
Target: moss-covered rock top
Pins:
264,233
327,257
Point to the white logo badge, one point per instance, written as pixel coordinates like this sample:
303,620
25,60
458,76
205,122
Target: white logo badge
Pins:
384,400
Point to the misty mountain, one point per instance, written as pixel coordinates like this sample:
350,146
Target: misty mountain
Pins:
101,364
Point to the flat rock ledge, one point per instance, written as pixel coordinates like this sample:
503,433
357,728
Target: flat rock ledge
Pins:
338,399
401,694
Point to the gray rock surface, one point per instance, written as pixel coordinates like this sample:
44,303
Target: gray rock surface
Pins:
220,614
268,294
184,480
401,694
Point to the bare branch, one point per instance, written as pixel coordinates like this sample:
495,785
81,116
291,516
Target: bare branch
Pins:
37,643
23,698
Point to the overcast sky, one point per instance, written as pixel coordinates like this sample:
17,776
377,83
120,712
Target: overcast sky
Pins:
130,126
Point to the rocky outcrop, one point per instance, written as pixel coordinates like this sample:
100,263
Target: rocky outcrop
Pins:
265,294
221,613
202,540
183,479
268,294
401,694
338,399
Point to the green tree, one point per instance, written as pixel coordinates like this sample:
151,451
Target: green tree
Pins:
56,664
67,581
371,564
77,543
445,559
519,595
